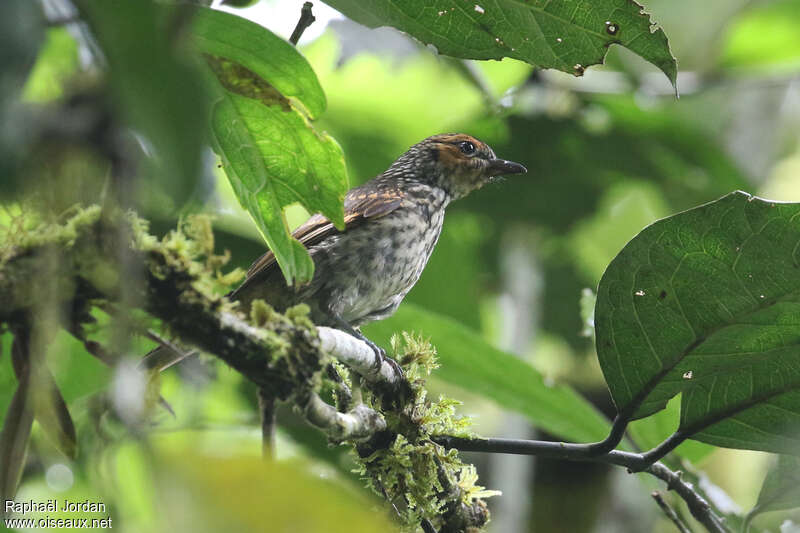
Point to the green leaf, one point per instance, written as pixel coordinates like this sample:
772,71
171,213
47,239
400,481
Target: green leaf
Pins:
707,303
568,35
781,488
470,362
262,52
272,154
157,90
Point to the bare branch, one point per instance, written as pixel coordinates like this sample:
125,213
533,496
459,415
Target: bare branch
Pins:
360,423
306,20
698,506
670,512
634,462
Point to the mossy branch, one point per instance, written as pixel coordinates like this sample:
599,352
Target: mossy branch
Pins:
178,280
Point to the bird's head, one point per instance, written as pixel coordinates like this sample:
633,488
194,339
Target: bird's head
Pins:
456,162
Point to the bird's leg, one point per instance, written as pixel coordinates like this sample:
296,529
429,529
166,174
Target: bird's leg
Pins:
380,353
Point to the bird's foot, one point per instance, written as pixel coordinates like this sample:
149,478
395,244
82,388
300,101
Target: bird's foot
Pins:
380,357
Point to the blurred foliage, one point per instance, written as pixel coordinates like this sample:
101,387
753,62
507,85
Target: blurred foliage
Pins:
21,34
608,154
470,362
765,38
56,64
155,88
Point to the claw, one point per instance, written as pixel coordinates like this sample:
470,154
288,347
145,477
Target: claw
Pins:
397,370
380,357
380,353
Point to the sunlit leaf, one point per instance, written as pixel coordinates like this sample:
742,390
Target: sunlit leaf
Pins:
262,52
272,154
468,361
184,479
251,492
705,303
624,209
764,37
57,61
569,35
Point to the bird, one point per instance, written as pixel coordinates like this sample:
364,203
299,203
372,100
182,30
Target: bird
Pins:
392,223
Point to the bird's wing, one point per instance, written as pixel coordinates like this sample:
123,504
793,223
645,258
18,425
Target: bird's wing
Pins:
359,206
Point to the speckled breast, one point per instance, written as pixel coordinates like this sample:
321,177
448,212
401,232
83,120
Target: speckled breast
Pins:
385,258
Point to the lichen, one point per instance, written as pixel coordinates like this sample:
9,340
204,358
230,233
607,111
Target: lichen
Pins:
421,478
186,257
298,315
261,313
24,230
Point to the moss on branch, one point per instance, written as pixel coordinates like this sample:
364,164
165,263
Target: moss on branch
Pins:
111,260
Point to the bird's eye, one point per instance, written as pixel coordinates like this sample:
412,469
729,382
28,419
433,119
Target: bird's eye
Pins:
467,147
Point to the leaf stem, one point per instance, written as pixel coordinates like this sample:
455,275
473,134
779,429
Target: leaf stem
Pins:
614,437
657,453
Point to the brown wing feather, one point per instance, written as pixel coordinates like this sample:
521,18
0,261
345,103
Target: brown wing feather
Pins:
359,206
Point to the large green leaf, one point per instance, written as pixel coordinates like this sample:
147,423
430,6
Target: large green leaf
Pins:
272,154
468,361
707,303
568,35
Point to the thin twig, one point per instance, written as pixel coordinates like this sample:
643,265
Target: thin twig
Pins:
698,506
634,462
165,356
670,512
306,19
63,21
266,407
